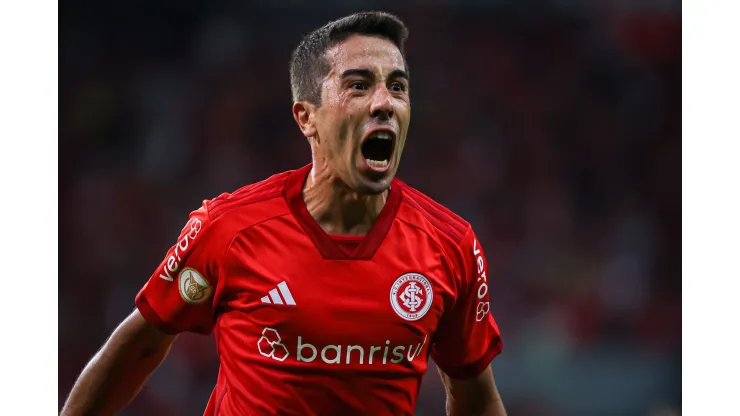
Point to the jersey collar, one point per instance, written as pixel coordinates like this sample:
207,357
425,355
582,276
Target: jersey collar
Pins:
324,243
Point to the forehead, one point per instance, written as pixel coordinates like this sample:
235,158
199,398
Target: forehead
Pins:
367,52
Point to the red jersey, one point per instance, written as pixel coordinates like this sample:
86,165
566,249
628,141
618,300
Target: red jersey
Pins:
312,324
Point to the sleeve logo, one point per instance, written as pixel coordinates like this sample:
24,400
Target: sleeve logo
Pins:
194,289
173,261
411,296
483,308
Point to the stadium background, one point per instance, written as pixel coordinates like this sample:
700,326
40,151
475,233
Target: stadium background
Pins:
552,126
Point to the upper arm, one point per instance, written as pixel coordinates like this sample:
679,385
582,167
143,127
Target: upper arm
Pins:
477,395
468,337
181,293
137,333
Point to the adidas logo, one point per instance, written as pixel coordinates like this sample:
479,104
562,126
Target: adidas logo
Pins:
275,296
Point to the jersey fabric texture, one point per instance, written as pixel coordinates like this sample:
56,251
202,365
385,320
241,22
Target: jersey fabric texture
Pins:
308,323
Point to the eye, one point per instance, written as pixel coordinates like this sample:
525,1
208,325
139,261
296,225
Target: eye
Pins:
398,87
358,85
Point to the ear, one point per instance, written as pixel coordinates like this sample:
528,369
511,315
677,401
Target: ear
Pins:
304,114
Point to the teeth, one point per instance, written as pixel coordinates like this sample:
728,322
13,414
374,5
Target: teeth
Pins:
381,135
377,163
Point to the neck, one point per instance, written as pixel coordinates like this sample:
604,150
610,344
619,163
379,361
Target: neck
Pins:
338,209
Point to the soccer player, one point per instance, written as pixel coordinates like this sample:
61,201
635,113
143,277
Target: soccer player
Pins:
327,287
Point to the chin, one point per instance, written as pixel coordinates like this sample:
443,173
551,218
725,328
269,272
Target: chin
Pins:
373,186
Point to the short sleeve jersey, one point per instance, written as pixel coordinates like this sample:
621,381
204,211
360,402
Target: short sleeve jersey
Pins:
311,324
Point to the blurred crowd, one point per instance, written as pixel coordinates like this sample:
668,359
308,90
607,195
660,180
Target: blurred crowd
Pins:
552,126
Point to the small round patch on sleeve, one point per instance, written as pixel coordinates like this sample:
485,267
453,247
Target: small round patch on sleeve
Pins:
194,288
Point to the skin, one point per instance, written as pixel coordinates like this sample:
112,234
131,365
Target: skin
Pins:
474,396
117,372
341,193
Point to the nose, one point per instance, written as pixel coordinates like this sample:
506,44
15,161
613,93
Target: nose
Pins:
382,104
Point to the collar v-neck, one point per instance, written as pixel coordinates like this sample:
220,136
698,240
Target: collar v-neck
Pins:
325,244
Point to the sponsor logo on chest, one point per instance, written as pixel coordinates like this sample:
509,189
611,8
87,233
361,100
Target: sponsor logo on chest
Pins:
410,296
272,345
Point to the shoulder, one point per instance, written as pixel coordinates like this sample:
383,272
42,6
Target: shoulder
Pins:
441,223
229,213
452,234
259,194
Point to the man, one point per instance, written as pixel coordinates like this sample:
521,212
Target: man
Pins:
327,287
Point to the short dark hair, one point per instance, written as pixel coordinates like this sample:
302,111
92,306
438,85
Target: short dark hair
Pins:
309,65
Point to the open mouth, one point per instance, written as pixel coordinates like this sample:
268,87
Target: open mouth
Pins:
377,150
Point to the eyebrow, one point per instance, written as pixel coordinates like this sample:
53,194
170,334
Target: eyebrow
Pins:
366,73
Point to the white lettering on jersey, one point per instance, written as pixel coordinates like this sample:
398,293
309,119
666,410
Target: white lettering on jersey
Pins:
173,261
332,354
483,307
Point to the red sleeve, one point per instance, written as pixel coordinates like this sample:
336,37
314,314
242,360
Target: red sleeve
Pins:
179,295
468,337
